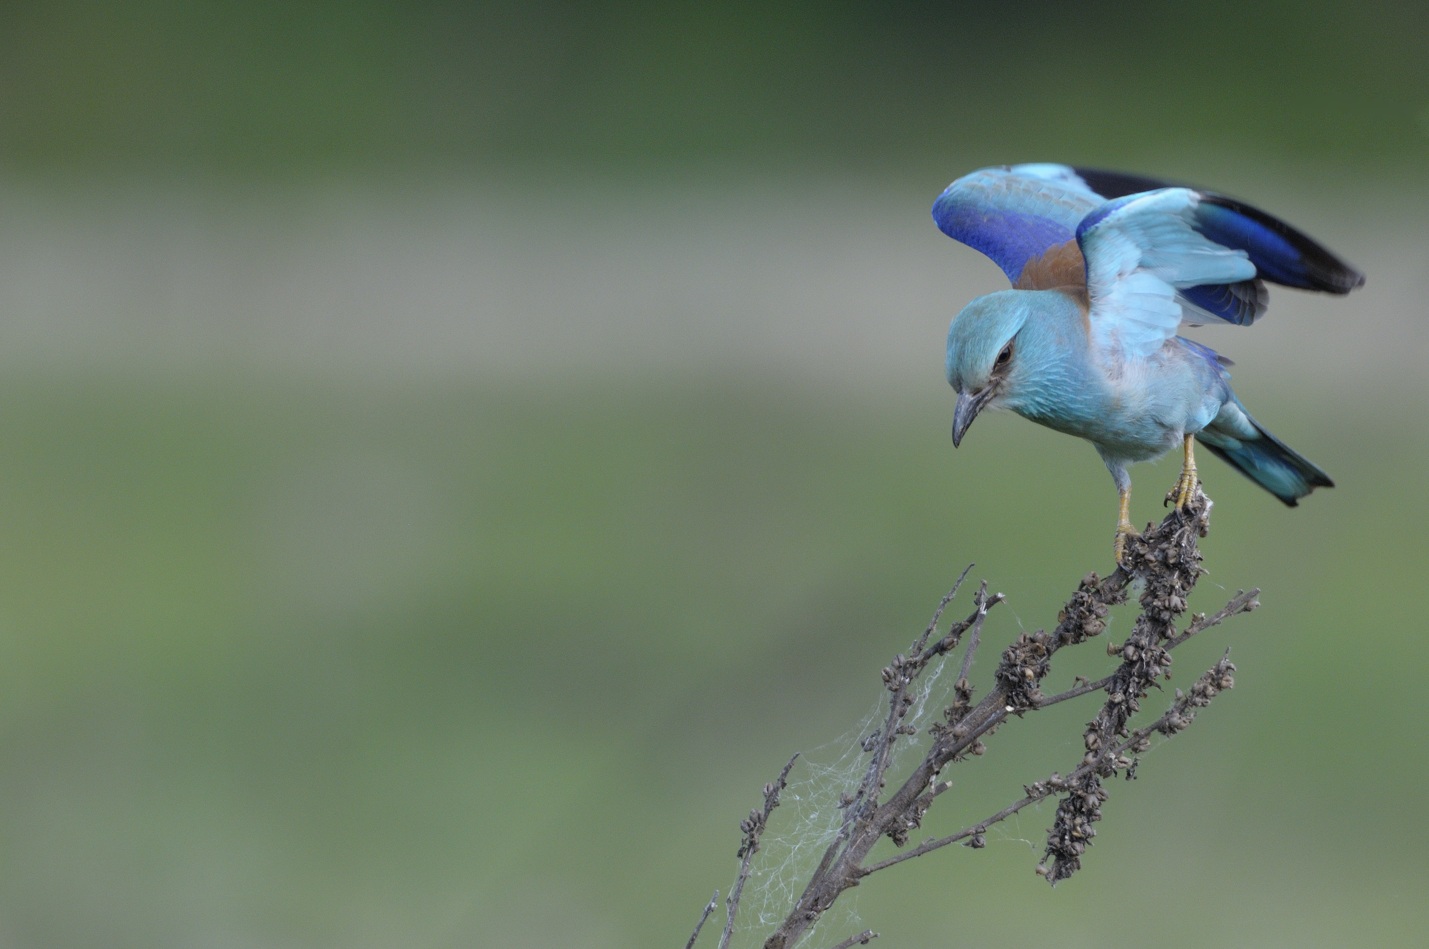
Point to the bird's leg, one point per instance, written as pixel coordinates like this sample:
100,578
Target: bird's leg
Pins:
1124,529
1186,485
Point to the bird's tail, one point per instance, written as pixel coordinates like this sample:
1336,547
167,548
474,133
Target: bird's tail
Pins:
1262,457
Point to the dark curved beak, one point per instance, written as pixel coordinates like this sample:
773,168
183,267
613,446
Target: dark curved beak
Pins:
969,405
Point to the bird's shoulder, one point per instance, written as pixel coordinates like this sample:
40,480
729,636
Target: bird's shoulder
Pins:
1060,267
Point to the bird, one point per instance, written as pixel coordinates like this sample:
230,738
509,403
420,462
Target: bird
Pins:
1106,267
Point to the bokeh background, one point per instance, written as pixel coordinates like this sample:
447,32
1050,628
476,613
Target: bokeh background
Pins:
451,455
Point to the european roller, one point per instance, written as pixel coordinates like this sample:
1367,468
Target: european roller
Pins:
1105,268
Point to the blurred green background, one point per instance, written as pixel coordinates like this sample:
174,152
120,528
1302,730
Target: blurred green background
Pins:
453,454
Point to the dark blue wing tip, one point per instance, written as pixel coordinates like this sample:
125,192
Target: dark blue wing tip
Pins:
1281,253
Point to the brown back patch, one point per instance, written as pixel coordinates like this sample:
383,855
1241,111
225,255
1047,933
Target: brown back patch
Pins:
1060,268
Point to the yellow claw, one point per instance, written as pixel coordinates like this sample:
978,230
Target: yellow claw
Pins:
1124,530
1186,485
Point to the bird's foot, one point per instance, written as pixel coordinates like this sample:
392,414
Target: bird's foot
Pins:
1184,489
1124,533
1187,483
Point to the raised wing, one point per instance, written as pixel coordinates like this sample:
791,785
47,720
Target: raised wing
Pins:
1014,215
1142,252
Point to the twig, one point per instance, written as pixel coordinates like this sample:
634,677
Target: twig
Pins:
974,639
753,827
942,605
1243,602
709,908
862,939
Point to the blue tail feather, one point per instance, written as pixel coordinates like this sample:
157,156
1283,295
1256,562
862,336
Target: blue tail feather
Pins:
1267,461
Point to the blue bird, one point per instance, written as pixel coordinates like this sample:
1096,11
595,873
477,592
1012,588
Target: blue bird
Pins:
1105,268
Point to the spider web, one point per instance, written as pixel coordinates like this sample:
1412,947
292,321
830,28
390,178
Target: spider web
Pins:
809,817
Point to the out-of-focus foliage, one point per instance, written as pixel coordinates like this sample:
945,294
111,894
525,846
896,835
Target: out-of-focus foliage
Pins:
244,86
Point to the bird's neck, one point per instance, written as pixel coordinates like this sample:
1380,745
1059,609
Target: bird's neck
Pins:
1057,382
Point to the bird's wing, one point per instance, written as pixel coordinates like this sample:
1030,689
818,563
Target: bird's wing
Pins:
1156,259
1015,215
1140,250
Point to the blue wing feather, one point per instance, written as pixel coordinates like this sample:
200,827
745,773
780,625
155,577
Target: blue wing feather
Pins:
1009,238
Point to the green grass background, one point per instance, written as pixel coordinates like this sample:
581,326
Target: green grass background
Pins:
445,471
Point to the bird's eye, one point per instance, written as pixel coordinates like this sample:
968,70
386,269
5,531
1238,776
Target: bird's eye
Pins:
1003,357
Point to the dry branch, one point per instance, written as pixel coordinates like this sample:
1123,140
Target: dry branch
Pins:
1166,561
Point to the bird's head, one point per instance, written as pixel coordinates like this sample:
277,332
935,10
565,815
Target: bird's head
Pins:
982,354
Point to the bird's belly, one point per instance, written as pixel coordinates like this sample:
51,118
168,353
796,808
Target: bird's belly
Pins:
1129,436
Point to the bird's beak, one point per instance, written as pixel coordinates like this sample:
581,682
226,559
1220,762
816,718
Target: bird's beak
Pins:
969,405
